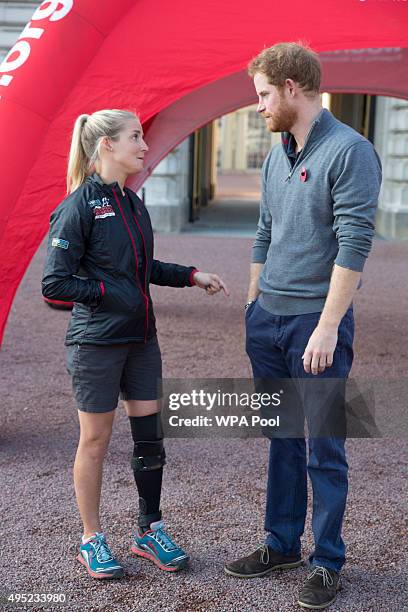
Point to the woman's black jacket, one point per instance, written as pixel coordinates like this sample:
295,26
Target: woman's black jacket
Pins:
100,256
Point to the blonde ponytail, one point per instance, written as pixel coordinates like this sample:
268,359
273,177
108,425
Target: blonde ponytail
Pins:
77,161
86,137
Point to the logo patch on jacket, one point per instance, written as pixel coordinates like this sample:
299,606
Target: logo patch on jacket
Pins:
59,242
101,208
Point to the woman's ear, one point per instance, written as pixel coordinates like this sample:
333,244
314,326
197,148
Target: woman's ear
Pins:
106,144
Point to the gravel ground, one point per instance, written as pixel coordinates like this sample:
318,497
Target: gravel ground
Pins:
214,490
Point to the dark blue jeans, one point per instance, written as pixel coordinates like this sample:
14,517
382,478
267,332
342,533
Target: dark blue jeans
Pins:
275,345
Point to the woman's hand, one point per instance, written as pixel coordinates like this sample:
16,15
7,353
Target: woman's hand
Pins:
210,282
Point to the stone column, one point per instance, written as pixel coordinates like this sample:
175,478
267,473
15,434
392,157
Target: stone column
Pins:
241,143
13,17
227,138
391,142
167,191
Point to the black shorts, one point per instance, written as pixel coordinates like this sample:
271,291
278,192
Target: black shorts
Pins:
101,373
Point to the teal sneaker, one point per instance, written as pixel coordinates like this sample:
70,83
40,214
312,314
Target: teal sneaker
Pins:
155,545
96,556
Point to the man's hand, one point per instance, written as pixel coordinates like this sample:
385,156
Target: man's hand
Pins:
210,282
318,354
319,351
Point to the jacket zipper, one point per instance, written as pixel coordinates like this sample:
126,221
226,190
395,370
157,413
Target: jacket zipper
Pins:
146,299
145,253
145,287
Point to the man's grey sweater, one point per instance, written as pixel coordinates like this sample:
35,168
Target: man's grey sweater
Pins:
318,213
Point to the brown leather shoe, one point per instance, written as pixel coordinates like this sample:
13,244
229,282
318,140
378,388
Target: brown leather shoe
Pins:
261,562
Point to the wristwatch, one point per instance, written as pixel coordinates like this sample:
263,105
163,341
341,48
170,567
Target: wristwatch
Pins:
247,305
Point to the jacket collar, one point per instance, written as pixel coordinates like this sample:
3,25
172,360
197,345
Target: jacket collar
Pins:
97,179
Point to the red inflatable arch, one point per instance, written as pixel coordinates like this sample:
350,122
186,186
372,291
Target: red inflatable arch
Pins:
179,64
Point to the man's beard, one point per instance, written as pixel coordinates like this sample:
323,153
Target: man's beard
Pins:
282,120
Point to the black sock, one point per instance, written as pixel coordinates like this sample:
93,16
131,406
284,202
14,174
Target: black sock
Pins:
149,488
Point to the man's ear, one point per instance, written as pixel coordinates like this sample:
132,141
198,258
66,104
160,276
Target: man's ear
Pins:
291,86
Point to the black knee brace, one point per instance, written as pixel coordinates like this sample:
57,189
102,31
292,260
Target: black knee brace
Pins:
148,452
148,455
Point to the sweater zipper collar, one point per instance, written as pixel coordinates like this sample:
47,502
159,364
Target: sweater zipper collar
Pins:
302,153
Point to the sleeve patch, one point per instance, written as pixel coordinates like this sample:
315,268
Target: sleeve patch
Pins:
59,242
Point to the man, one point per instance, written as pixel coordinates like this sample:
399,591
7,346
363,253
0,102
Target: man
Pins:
319,195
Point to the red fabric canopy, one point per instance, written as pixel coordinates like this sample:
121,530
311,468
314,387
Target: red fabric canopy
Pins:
177,64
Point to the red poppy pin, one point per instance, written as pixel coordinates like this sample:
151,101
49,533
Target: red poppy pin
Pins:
303,175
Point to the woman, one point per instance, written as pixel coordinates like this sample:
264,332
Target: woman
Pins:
100,256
